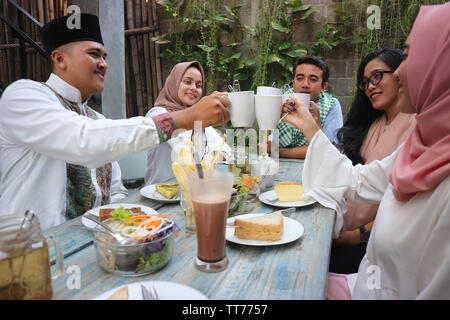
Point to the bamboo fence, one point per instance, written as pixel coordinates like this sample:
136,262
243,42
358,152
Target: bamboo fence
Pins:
142,64
38,67
143,70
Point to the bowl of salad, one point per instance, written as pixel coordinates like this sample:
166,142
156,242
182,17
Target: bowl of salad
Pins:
151,249
245,191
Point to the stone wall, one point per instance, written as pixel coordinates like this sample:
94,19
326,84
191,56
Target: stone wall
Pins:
340,61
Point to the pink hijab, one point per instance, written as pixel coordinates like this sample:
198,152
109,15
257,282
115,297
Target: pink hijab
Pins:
424,161
168,97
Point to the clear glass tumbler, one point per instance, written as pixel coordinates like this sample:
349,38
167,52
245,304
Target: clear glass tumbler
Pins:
211,199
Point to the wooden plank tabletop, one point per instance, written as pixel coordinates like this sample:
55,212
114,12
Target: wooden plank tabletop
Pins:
297,270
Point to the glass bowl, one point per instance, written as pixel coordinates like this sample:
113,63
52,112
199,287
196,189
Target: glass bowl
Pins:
133,259
242,203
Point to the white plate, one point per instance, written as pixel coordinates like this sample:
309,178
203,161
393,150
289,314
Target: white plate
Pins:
292,231
151,193
266,196
96,211
166,291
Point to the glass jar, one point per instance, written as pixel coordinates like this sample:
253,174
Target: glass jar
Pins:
241,162
188,209
24,259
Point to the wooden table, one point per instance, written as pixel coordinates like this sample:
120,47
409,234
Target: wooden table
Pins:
297,270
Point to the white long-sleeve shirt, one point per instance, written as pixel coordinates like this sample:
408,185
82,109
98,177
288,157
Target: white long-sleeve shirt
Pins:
408,254
38,136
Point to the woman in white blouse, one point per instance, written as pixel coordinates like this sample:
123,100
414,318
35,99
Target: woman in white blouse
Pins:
408,254
182,89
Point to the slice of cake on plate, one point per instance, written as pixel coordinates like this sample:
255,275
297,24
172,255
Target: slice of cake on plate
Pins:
289,191
169,190
265,228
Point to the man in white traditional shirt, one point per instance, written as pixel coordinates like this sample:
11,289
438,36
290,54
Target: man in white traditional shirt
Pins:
58,156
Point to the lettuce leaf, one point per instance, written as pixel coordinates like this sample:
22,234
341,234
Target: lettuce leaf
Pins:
120,213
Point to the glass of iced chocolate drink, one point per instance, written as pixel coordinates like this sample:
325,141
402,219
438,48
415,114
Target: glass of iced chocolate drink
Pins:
211,198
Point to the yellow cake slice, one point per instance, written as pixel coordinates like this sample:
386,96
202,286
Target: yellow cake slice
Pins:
265,228
169,190
288,191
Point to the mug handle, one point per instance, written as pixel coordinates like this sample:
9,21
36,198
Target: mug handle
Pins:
59,257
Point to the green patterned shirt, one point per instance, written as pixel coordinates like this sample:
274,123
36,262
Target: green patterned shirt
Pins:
291,137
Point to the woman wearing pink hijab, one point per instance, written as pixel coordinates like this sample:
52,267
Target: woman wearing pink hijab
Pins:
408,254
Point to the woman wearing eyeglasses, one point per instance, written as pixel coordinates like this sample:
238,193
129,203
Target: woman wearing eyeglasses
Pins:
374,129
408,252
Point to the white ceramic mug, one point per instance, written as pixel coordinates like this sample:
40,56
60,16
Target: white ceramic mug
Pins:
304,97
268,111
242,108
268,91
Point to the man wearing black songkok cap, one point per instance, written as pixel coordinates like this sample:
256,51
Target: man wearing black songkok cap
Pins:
63,30
58,156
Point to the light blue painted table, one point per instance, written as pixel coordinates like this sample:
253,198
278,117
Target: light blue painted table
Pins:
297,270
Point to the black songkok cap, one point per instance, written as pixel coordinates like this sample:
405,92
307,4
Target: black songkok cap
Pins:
59,32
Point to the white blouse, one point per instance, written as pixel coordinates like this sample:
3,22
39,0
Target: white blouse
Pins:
38,137
408,254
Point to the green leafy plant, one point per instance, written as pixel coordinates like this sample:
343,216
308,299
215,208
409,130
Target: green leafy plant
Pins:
200,26
198,36
397,18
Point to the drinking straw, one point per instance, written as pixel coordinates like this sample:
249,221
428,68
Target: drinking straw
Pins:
216,158
265,143
198,164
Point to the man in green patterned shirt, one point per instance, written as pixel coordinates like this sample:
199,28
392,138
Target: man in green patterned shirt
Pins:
311,76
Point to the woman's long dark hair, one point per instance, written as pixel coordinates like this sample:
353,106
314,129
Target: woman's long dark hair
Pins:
362,114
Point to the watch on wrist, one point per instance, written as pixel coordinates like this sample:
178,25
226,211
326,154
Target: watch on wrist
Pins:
364,234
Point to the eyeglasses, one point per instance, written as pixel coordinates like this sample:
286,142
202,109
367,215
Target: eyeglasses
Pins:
374,79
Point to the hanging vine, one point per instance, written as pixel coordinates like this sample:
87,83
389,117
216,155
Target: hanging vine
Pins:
397,18
211,32
267,13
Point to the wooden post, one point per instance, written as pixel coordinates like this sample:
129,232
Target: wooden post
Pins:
138,24
134,57
157,51
52,9
150,8
148,69
47,10
3,61
129,98
9,53
41,11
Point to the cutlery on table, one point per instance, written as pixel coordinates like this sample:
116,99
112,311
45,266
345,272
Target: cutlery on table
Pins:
121,239
149,294
81,227
264,176
284,211
273,199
